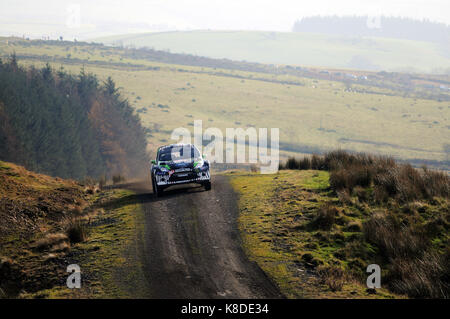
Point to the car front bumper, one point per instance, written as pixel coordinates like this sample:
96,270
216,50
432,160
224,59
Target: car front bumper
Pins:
174,179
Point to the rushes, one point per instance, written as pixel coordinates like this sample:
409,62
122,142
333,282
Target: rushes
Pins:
388,178
427,276
76,230
414,268
399,213
332,276
326,217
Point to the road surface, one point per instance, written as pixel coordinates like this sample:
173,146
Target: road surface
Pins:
192,247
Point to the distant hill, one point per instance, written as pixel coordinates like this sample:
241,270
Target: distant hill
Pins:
388,27
298,48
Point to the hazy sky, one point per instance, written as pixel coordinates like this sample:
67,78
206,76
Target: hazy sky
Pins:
35,18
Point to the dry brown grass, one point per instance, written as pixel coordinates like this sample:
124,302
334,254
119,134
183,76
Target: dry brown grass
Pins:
332,276
51,240
394,238
414,268
424,277
344,197
361,193
402,182
76,230
326,217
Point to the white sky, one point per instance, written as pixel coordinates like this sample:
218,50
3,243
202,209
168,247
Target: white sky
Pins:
275,15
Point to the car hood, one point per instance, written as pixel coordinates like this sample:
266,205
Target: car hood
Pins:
178,164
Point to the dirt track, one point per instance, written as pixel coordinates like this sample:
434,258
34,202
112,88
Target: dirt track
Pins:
192,247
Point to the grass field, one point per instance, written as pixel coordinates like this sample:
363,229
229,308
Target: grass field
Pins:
311,113
372,53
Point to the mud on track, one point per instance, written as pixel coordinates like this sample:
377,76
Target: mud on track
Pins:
192,247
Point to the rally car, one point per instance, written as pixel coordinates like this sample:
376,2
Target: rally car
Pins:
179,164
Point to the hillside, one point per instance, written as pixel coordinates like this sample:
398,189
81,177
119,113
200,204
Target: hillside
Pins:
298,48
403,115
49,223
380,26
30,203
67,125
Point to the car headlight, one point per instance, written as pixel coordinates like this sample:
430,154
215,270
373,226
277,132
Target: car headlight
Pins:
201,166
162,170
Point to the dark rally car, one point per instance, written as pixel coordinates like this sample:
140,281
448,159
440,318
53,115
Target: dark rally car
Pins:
179,164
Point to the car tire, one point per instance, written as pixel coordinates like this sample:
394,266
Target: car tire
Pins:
207,186
157,191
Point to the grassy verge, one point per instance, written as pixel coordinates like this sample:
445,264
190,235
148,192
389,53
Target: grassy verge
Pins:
49,223
108,259
277,222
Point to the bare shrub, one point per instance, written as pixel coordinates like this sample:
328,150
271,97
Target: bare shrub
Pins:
344,196
88,181
102,181
342,159
401,182
117,178
332,276
424,277
361,193
305,163
326,217
339,180
437,183
393,238
317,162
380,195
90,190
408,184
292,163
76,230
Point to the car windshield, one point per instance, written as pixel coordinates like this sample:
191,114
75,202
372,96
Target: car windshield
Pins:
176,153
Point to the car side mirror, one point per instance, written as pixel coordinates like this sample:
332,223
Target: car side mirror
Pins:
153,161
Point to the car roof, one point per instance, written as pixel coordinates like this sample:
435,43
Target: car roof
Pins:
175,145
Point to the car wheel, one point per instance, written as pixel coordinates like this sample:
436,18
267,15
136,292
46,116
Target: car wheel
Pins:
156,190
207,186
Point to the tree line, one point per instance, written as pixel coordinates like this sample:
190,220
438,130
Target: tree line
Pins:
382,26
65,125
